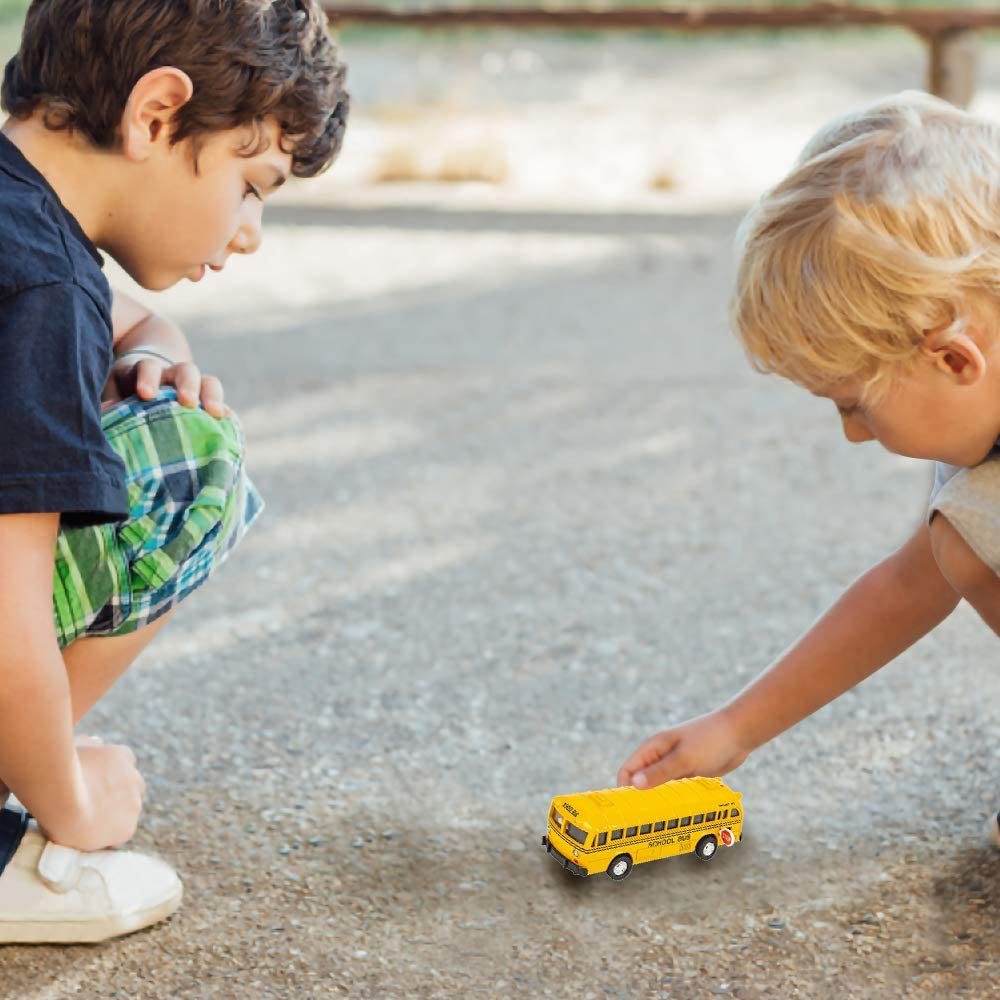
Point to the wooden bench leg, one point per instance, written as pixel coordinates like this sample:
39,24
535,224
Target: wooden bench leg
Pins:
952,70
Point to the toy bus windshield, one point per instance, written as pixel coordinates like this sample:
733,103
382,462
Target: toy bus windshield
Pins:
580,836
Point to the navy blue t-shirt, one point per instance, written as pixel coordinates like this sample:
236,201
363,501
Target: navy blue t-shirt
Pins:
55,355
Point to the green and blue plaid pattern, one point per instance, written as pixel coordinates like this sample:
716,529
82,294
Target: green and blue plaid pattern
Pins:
190,502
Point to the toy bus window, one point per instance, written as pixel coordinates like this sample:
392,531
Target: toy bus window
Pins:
672,824
735,813
616,834
645,828
709,817
580,836
700,818
659,826
602,839
631,831
557,819
686,821
723,814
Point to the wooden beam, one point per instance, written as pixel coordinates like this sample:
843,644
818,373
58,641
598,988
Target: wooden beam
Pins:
949,33
926,22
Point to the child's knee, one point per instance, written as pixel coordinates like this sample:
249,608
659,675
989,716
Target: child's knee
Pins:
211,434
961,567
190,502
187,437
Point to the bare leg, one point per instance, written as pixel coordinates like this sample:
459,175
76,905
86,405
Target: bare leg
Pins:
94,663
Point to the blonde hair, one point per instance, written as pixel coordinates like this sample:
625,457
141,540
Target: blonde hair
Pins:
887,223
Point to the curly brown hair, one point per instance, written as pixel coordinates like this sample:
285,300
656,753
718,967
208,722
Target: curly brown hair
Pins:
247,59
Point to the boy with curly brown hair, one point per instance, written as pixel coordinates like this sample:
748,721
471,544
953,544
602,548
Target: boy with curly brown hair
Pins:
152,130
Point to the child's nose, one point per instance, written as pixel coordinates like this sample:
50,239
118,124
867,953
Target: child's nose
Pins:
248,238
856,431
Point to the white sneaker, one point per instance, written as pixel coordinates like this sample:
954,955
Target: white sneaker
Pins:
54,894
993,830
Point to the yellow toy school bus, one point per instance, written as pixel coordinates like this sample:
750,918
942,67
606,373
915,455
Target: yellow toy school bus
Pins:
614,829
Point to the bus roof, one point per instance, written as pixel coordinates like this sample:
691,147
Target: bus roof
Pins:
613,807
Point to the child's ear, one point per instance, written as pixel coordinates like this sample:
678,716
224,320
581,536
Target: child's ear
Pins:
958,356
155,99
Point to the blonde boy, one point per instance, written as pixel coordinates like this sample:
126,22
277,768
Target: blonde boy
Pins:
871,276
152,130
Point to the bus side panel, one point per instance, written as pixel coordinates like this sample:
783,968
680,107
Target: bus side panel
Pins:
666,845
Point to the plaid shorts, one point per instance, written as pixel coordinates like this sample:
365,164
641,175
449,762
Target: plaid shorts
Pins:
189,501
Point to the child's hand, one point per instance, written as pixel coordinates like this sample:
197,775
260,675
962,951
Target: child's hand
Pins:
142,375
115,790
708,746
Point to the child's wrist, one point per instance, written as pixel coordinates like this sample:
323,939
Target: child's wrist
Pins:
72,817
145,352
742,731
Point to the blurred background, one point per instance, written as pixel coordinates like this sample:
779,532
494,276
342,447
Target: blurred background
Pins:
657,120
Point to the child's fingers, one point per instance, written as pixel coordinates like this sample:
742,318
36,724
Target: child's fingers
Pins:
667,768
140,378
185,377
148,374
211,396
655,748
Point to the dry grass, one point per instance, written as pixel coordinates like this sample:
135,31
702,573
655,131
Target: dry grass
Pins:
397,165
482,161
444,160
663,179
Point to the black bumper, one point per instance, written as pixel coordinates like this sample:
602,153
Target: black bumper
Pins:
565,862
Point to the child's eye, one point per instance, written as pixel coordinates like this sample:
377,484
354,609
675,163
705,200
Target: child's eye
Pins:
252,190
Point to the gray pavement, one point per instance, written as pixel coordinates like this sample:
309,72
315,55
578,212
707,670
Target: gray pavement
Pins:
527,505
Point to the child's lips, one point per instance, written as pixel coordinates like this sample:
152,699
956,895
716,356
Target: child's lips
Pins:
202,268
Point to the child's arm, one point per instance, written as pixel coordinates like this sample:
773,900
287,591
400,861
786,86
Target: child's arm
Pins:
880,615
88,799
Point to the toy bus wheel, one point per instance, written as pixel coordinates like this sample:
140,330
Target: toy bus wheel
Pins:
620,867
705,850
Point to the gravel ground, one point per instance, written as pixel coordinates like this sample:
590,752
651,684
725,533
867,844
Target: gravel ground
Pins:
527,505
